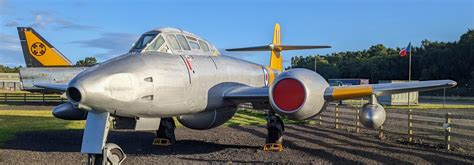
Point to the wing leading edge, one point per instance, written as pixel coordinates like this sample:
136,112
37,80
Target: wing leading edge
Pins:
261,94
53,87
356,91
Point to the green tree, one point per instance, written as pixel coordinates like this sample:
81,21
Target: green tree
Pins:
433,60
88,61
6,69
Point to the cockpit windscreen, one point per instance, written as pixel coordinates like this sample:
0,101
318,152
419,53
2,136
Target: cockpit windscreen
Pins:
144,40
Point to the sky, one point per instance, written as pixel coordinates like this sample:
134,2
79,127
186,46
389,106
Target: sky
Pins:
107,28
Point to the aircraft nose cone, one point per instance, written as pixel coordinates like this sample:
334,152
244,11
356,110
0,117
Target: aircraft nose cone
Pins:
107,85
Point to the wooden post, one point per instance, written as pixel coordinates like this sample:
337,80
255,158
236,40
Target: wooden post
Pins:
357,121
381,132
43,98
336,118
320,120
447,131
410,126
5,97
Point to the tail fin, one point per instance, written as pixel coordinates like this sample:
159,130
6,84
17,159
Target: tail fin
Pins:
276,60
38,52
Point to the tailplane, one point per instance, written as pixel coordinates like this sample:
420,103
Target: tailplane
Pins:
38,52
276,60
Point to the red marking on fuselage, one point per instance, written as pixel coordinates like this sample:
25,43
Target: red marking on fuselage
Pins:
188,63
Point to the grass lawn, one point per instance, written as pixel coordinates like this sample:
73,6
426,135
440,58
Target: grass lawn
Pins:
15,121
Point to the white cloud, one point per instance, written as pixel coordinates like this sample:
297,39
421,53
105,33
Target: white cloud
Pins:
10,50
11,23
43,19
113,44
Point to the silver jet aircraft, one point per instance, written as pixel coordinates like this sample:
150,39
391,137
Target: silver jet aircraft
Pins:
173,73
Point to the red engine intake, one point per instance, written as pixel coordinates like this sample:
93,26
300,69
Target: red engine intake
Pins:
289,94
298,94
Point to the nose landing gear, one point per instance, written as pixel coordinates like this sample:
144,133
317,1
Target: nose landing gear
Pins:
94,138
112,154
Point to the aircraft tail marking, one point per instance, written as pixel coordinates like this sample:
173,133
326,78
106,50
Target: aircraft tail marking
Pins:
38,52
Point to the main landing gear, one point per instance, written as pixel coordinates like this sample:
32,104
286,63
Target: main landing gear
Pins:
165,134
275,128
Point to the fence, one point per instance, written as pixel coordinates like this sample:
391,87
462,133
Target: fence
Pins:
23,98
442,128
446,129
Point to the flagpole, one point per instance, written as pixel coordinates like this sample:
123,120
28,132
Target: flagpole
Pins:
409,74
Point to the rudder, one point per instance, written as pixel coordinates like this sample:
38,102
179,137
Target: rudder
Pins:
276,60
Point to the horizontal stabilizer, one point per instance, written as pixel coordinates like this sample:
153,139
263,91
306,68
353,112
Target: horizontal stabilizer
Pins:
279,47
54,87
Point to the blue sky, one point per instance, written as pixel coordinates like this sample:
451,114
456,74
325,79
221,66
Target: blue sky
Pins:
107,28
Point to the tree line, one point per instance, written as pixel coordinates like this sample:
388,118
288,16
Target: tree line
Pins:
88,61
433,60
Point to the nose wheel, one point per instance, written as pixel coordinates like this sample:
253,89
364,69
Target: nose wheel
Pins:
275,128
112,154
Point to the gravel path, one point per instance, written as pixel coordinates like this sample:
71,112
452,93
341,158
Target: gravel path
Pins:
236,144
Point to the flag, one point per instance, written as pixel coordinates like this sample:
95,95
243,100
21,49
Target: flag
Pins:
405,51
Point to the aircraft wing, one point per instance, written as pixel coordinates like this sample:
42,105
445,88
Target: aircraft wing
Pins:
248,94
261,94
53,87
356,91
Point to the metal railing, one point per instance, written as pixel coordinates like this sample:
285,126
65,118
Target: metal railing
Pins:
441,128
446,129
24,98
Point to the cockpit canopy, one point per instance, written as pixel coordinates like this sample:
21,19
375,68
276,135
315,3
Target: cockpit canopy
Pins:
173,41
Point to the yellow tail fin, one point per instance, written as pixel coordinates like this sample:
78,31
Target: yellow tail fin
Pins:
276,60
38,52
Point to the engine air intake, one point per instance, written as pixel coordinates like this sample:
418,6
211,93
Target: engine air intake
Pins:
289,94
74,94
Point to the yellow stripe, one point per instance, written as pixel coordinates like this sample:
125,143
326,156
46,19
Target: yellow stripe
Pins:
46,56
342,93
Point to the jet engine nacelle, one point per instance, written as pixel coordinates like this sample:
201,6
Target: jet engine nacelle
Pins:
207,119
373,115
298,94
67,111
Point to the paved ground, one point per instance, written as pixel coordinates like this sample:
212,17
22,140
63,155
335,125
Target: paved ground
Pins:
236,144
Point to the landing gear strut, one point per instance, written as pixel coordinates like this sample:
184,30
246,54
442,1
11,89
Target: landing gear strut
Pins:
165,134
94,138
275,128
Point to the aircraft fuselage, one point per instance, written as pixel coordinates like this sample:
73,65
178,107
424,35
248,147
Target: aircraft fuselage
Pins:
53,75
163,85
